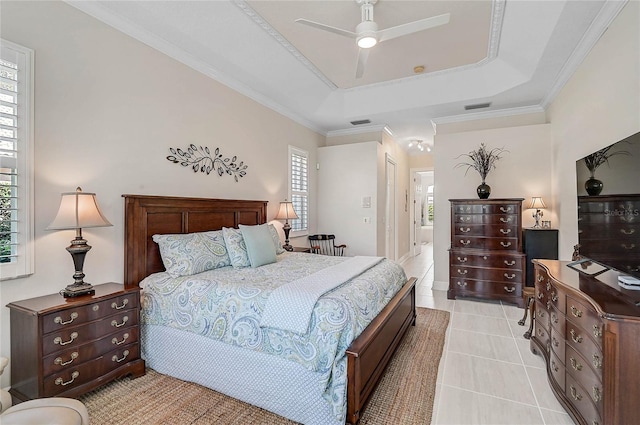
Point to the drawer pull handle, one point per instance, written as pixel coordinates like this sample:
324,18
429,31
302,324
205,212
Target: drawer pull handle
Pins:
576,339
548,286
58,340
505,232
509,263
556,343
463,271
597,331
484,257
554,366
462,284
74,375
120,307
594,422
59,361
575,364
467,219
628,232
554,318
540,278
574,394
465,243
540,295
505,220
505,244
576,312
554,297
509,289
541,313
59,320
462,260
115,341
115,358
507,209
597,363
510,276
628,247
463,230
549,304
597,394
118,325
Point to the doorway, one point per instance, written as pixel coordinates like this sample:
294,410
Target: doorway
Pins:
391,220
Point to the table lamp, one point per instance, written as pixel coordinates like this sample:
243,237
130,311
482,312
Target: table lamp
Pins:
537,203
285,213
78,210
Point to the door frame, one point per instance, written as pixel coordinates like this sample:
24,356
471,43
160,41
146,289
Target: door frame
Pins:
412,200
391,205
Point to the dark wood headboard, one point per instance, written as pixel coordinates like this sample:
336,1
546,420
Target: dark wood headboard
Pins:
145,216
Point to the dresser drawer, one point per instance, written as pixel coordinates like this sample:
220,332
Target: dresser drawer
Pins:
558,322
502,208
489,243
557,343
470,287
78,335
492,230
581,401
557,370
73,377
478,219
480,273
488,259
542,314
86,313
580,369
542,335
582,342
71,357
585,316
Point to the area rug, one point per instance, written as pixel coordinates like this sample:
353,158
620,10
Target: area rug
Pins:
405,394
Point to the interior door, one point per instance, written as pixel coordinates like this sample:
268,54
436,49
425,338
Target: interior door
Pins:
391,217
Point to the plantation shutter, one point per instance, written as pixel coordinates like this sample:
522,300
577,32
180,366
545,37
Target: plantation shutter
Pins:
299,188
16,222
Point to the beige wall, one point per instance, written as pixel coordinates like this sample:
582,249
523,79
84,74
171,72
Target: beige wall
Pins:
108,109
597,107
524,171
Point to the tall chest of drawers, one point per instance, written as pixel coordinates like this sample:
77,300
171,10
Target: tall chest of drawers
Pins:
486,258
67,346
588,331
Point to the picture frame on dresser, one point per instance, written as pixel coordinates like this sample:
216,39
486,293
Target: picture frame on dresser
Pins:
486,259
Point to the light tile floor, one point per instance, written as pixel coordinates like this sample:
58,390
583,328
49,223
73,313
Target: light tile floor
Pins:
487,374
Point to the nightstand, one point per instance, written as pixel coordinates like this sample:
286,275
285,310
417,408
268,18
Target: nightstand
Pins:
65,347
301,249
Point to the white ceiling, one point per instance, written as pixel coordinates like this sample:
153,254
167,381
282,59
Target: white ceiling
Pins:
515,54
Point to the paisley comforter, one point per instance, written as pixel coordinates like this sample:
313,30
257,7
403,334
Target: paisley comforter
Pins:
227,304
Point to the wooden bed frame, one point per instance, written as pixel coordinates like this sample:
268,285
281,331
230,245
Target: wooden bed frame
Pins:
145,216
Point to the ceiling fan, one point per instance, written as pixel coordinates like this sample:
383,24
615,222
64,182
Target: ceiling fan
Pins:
367,34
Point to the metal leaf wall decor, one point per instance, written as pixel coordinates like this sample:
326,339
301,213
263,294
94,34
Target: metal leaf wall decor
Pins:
200,159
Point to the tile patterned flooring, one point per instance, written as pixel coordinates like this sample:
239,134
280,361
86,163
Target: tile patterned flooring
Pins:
487,374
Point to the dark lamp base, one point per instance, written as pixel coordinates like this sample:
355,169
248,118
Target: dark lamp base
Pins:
76,290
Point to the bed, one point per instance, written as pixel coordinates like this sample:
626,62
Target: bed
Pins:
285,387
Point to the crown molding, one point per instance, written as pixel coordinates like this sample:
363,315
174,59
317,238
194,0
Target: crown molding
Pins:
605,17
100,13
359,130
500,113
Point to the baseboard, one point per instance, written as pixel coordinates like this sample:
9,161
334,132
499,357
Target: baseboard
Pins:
404,258
440,286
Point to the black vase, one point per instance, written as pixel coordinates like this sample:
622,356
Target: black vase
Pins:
484,190
593,186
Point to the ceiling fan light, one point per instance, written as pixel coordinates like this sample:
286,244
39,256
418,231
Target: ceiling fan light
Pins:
367,42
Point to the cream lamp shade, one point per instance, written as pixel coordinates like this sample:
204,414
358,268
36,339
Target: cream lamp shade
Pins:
286,213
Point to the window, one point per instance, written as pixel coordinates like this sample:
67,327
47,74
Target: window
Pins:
299,189
16,158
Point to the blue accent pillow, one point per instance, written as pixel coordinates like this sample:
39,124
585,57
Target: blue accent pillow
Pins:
192,253
259,244
235,247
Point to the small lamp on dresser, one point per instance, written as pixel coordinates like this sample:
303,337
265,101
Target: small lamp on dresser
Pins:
537,204
286,213
78,210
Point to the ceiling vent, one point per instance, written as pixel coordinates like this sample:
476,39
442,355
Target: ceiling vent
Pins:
360,122
477,106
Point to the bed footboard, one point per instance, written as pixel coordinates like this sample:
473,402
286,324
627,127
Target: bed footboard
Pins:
370,353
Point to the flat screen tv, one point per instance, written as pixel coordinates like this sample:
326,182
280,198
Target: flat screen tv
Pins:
609,207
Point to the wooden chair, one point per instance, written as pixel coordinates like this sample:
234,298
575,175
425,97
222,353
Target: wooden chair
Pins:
325,245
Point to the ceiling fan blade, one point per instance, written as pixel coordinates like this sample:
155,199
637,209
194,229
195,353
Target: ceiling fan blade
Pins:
411,27
363,55
329,28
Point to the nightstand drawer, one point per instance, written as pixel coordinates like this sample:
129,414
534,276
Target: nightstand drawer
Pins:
71,357
76,336
69,317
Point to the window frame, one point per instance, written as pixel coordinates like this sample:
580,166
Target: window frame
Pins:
293,150
24,264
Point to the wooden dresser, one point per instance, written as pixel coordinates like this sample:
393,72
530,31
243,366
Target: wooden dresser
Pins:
67,346
486,258
588,331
